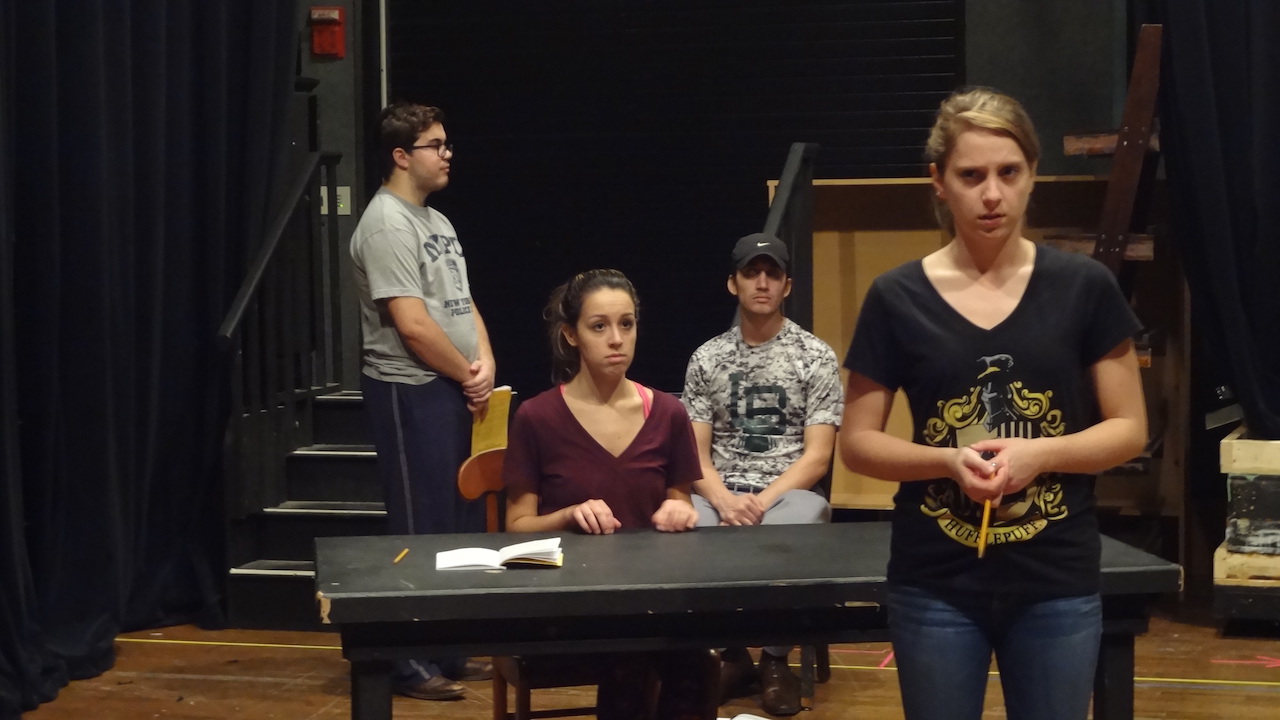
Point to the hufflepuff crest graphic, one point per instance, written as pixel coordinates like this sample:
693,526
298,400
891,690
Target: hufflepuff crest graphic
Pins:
997,405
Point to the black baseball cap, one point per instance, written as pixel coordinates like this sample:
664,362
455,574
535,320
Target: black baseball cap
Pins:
757,244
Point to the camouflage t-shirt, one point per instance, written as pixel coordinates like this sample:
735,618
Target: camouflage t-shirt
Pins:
758,400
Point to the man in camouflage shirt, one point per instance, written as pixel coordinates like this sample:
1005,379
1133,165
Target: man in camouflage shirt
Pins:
765,399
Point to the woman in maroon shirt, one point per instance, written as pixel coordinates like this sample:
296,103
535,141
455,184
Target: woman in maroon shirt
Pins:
599,453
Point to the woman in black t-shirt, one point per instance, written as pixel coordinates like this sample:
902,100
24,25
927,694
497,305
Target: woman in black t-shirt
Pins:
1017,362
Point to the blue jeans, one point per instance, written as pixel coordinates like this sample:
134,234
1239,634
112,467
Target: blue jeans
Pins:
1046,651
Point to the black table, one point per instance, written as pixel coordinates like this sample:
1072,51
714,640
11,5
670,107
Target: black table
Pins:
717,587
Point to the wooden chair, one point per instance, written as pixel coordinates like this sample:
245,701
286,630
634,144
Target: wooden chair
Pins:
481,477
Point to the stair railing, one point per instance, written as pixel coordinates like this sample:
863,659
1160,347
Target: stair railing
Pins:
790,219
282,339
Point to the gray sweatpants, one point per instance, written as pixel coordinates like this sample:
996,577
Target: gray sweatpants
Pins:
795,507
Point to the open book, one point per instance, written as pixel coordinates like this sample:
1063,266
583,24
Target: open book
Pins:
544,552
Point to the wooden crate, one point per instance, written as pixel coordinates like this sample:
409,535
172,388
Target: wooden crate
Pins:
1253,487
1239,453
1245,569
1246,586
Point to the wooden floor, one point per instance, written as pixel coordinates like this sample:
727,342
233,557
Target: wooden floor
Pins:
1185,671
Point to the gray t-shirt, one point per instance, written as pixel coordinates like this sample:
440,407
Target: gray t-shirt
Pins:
758,400
401,250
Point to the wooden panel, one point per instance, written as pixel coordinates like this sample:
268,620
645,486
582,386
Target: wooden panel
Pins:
1248,569
862,229
1238,453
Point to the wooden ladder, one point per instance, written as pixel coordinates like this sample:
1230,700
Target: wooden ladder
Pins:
1135,151
1122,235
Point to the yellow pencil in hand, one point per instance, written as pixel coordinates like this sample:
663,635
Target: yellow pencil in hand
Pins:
986,511
982,531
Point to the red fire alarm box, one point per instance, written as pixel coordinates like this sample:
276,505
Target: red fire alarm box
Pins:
328,32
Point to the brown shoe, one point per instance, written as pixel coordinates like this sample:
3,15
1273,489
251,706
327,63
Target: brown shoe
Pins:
474,671
779,687
436,688
738,676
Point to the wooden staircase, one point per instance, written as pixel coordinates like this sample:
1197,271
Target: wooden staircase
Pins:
331,489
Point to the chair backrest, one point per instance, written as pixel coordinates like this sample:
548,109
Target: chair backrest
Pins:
481,477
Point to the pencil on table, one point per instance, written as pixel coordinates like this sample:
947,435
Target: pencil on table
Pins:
406,552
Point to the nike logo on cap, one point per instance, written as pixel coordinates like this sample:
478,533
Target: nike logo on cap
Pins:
761,244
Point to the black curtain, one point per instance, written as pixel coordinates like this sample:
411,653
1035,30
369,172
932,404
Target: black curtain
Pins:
1220,110
139,141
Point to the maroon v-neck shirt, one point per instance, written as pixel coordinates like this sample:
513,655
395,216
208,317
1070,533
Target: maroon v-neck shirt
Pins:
549,453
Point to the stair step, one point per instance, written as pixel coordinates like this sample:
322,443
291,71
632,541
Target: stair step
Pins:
336,450
1139,246
277,568
328,508
274,595
288,531
333,474
341,418
1101,143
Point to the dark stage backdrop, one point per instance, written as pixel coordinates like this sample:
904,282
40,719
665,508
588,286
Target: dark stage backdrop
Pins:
1220,110
139,145
641,135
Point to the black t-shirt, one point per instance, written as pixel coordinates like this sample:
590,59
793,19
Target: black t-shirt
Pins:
1029,376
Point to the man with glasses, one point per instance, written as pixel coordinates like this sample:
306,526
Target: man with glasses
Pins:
765,400
427,366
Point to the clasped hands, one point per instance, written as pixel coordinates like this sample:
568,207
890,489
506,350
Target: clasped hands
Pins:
741,509
595,518
1013,463
478,388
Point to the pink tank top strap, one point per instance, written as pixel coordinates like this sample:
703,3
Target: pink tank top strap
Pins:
644,398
